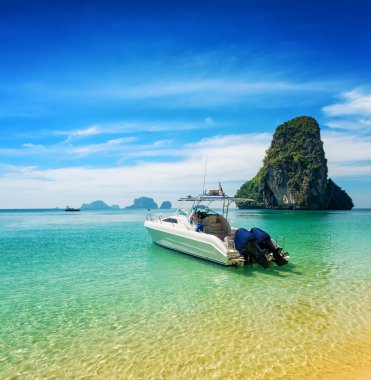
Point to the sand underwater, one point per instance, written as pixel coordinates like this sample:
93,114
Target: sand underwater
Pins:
88,296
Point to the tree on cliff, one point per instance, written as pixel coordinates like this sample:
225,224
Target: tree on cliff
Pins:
294,172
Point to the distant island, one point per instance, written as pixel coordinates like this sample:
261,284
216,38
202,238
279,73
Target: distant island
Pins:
139,203
294,172
166,205
97,205
143,202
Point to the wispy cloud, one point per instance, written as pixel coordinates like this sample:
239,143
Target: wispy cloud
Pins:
86,132
94,130
355,102
231,86
352,123
107,147
348,154
126,144
350,170
68,150
135,127
346,147
119,127
167,91
211,92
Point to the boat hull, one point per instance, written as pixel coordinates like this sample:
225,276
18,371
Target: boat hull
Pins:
192,243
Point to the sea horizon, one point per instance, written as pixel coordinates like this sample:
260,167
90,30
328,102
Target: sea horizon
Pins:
174,208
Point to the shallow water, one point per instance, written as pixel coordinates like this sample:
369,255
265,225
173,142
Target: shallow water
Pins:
87,295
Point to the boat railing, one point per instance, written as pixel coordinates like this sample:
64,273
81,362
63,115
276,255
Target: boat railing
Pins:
229,242
152,217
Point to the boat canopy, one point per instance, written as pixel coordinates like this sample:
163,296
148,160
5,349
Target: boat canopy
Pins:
227,200
210,198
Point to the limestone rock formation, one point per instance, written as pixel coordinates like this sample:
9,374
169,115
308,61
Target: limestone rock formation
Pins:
96,205
294,172
165,205
143,202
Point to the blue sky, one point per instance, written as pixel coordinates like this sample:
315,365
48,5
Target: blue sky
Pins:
113,100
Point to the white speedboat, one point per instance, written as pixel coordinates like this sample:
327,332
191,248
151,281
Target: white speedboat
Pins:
199,231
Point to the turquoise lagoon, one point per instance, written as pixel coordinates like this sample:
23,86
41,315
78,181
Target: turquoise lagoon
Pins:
88,295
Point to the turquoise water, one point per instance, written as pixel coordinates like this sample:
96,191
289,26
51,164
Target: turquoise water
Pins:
87,295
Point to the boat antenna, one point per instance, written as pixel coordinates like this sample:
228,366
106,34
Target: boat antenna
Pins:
203,187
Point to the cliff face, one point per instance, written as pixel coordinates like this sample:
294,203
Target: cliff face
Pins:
294,173
337,198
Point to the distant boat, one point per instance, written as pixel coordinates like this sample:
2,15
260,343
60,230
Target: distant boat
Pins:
68,208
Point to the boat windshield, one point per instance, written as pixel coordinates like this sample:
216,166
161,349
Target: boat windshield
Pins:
182,212
203,208
197,205
201,211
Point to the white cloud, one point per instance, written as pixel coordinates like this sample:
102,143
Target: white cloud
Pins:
347,154
349,170
348,142
345,147
355,102
350,124
231,159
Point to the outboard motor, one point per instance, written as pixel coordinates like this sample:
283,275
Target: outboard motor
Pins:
259,234
241,238
246,244
265,242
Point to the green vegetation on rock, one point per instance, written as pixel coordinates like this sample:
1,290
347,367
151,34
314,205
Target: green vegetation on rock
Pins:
251,189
